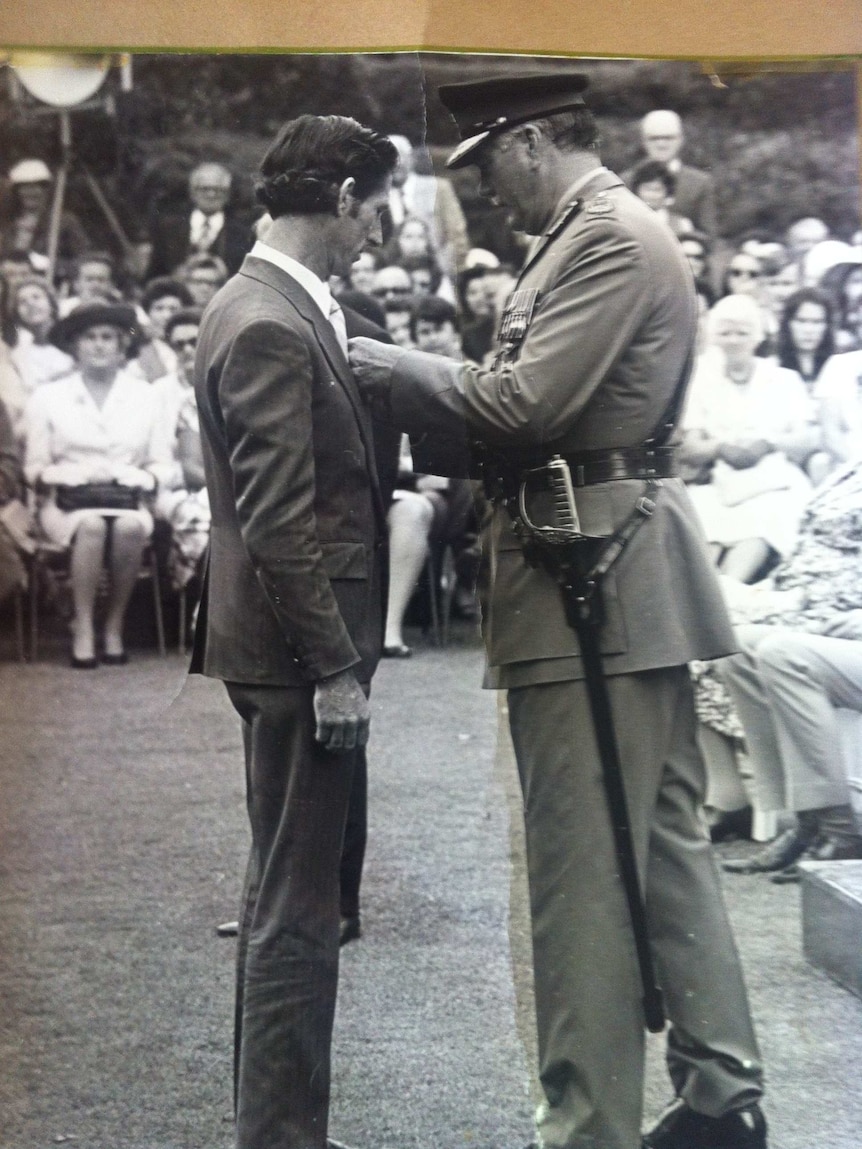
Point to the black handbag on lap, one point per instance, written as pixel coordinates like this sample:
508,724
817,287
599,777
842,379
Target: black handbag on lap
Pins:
111,496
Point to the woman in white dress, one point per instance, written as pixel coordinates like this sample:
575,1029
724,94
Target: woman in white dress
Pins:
749,428
99,425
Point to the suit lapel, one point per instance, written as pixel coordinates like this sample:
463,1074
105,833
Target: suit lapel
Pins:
266,272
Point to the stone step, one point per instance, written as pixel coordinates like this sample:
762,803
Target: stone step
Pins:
832,920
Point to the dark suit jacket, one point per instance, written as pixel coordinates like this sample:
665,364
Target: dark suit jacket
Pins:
169,235
293,589
387,439
609,341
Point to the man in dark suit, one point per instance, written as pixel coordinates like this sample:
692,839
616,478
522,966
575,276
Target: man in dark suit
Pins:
206,226
596,348
291,615
694,191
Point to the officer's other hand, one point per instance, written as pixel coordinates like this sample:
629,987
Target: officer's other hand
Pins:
341,711
372,363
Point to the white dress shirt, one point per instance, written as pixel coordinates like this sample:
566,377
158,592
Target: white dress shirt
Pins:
313,284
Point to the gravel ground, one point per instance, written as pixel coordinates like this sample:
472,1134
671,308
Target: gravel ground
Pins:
122,843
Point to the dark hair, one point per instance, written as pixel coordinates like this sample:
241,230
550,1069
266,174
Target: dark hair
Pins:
465,278
400,304
434,310
412,263
698,237
186,316
835,282
163,287
787,353
311,158
651,170
573,130
364,305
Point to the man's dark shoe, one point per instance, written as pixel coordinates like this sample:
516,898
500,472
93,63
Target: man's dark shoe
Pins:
776,855
682,1128
351,929
825,849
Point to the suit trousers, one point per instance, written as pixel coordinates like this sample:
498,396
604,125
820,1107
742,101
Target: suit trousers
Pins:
588,994
786,685
287,957
355,839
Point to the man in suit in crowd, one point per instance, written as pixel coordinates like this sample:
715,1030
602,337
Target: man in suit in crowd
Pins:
694,191
291,615
433,200
205,226
596,351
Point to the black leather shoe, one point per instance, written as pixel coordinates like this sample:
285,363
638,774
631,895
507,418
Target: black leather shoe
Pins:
682,1128
825,849
83,663
351,929
115,659
776,855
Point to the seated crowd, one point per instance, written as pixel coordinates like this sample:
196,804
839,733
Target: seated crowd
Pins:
95,394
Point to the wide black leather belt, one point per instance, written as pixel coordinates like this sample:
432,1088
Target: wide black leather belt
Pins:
606,466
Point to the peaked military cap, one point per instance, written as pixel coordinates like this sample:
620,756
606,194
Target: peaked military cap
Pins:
487,107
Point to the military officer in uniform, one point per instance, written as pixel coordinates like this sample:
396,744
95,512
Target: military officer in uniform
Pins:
595,353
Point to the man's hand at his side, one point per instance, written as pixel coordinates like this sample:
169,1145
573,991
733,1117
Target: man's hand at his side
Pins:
342,712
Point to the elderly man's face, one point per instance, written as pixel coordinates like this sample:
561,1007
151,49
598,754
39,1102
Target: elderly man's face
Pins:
209,188
662,136
507,180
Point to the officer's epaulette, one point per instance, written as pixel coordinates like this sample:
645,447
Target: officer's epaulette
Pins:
599,205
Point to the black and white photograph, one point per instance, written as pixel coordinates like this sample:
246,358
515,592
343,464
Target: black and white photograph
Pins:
430,609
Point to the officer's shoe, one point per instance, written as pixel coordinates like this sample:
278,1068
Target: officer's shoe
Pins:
776,855
682,1128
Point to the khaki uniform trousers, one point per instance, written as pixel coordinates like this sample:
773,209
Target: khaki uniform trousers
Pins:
588,995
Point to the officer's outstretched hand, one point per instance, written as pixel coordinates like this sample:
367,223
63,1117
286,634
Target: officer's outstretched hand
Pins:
341,711
372,363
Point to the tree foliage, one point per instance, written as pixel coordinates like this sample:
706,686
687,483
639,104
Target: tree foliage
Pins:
779,144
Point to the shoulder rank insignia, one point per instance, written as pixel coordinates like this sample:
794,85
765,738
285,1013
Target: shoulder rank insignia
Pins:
517,315
601,205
